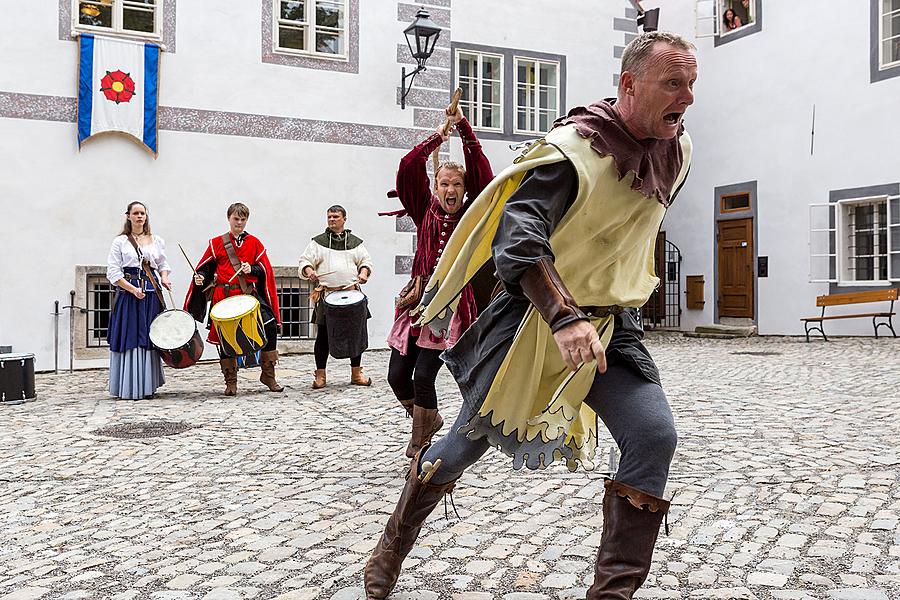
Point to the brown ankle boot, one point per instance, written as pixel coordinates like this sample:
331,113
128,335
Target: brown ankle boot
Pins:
229,370
408,406
357,377
416,502
426,422
267,362
631,521
319,382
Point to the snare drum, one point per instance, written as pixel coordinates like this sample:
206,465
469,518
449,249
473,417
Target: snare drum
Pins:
174,334
16,378
239,325
345,316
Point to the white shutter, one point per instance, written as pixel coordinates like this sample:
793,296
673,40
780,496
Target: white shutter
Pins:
893,237
706,18
822,243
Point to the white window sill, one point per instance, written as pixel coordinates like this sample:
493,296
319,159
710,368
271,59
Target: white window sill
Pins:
125,35
299,54
863,283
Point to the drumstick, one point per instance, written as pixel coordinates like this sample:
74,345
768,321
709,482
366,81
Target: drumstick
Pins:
190,264
454,103
170,297
233,276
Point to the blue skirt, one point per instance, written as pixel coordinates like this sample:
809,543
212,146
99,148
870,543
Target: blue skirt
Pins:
129,322
135,374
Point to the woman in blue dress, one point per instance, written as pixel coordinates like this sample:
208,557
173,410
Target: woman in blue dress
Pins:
135,368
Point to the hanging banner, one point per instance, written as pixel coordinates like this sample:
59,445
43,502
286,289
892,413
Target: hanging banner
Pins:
118,89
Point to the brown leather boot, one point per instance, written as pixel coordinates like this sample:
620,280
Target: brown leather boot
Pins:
357,377
229,370
631,521
416,502
426,422
408,406
319,382
267,362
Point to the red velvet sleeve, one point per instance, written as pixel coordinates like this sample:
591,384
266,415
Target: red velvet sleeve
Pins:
478,168
413,184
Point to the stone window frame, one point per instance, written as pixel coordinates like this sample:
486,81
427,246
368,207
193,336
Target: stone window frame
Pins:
509,98
323,62
742,32
827,225
165,22
878,71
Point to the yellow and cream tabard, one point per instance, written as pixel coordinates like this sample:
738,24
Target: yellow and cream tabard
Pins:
604,252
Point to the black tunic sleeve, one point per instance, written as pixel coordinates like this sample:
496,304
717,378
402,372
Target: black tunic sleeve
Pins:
529,218
197,305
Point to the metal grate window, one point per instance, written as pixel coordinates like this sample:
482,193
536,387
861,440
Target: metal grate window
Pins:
100,295
663,309
866,239
296,312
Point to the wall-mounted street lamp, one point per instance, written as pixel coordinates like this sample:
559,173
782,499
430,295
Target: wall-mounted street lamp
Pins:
647,19
421,37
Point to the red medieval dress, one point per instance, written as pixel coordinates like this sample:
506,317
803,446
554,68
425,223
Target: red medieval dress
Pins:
434,227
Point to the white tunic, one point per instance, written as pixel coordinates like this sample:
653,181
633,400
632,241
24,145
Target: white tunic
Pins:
337,268
122,254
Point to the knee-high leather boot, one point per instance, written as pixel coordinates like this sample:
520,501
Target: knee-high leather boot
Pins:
631,520
229,370
426,422
416,502
267,360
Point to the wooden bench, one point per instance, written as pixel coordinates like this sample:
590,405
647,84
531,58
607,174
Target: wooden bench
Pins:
853,298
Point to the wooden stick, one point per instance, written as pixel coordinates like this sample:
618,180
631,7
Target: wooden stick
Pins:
454,104
190,264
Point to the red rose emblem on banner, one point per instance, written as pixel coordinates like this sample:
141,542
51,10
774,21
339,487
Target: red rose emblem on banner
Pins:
117,86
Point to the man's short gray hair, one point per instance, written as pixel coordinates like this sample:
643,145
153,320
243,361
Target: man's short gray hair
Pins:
636,53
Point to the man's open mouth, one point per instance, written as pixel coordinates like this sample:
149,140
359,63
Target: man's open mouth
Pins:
672,117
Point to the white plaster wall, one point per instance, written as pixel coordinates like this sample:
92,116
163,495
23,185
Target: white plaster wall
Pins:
582,32
751,121
217,64
67,208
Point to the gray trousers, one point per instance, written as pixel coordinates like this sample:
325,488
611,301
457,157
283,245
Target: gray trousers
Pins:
635,412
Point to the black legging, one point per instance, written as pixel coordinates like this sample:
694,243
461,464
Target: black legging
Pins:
321,349
413,375
271,329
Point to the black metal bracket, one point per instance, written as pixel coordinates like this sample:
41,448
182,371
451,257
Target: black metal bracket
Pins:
404,90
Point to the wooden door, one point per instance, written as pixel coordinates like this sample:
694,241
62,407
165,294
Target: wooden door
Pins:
736,275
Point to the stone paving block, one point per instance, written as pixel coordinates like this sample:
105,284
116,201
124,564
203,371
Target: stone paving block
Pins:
783,489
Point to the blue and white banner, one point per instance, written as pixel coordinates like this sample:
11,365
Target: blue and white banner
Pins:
118,89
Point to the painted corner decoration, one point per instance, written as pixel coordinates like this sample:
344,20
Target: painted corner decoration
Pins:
118,88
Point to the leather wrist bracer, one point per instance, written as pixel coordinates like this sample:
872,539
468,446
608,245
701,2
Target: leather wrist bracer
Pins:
542,285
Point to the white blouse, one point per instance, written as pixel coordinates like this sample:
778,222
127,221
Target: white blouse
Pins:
122,254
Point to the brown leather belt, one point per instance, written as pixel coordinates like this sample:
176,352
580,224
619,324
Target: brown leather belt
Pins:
228,286
603,311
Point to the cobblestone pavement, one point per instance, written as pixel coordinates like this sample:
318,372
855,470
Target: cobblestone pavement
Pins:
787,483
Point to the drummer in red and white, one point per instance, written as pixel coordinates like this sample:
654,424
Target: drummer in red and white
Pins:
335,260
217,278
